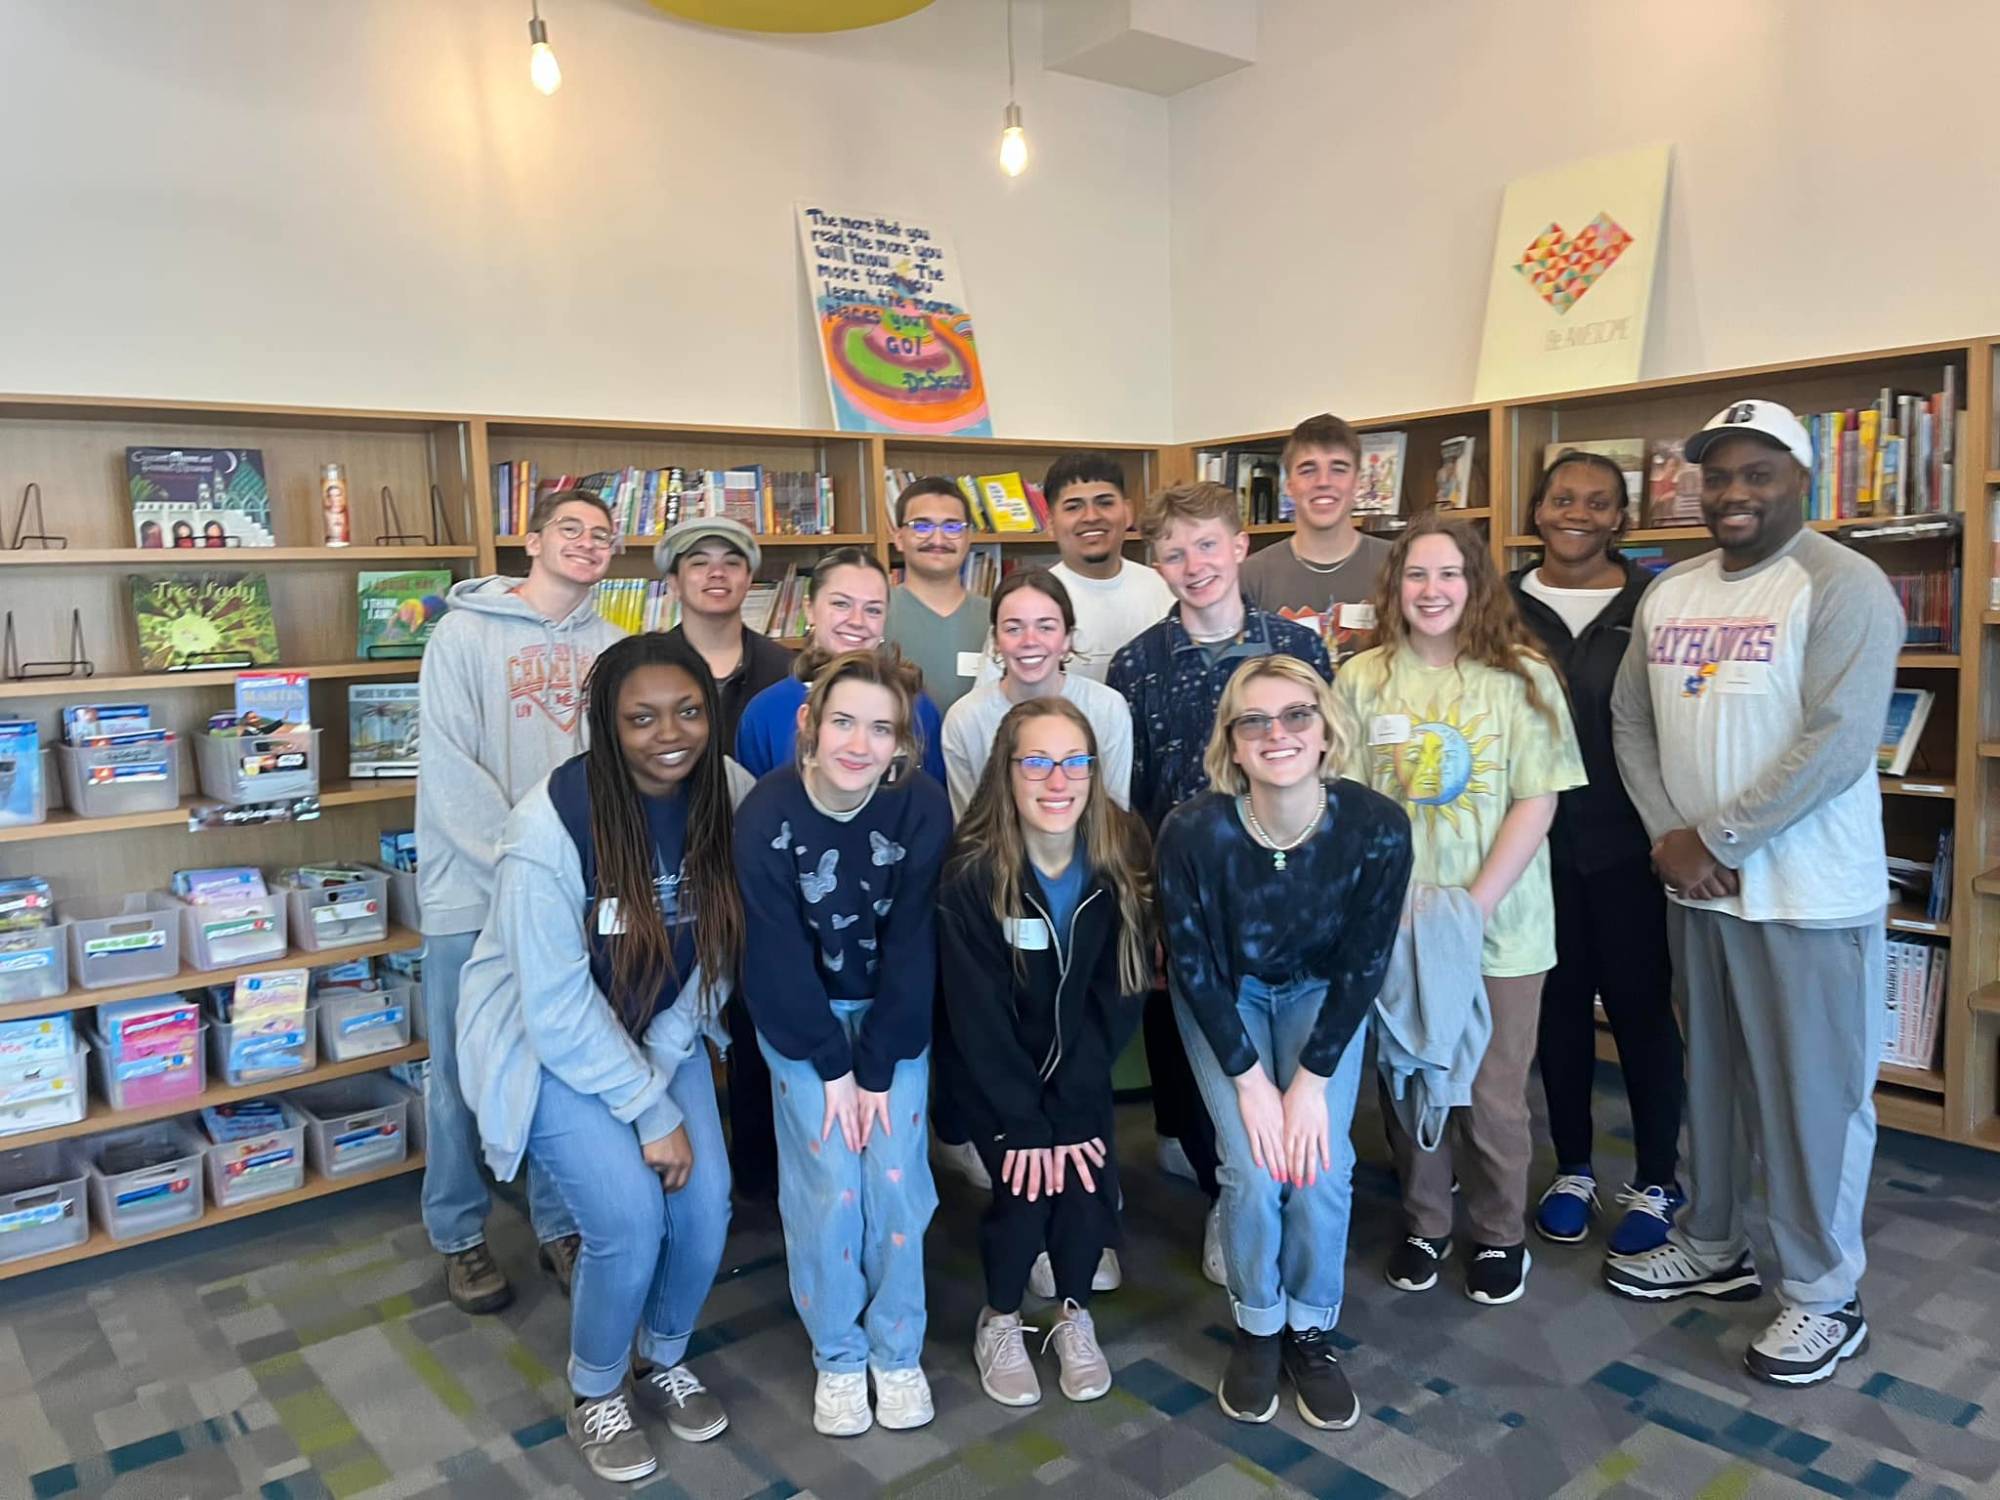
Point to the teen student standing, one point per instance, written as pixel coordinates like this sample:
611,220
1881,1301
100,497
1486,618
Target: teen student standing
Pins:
839,872
1172,675
1611,916
1461,719
1747,715
933,619
711,561
1045,929
1280,891
616,928
1034,638
500,705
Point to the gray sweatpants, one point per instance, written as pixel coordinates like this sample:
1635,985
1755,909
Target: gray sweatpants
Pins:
1784,1031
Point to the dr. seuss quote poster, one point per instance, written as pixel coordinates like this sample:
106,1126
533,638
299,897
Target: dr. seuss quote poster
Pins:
1573,276
893,330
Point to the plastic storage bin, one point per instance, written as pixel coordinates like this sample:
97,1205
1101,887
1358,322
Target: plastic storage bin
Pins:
240,930
355,1124
104,781
38,1092
360,1023
144,1082
37,808
405,908
123,939
34,965
271,1055
42,1202
161,1187
257,1166
240,768
336,915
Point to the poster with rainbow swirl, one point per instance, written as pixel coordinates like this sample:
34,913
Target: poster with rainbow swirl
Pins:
894,334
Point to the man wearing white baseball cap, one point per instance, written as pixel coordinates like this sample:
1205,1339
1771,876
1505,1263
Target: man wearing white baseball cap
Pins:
1745,718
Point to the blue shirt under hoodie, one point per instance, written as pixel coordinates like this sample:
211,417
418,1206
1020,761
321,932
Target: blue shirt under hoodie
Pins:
841,910
767,736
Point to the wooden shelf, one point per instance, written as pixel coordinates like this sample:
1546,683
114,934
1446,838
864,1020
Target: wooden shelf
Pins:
1986,999
1989,749
101,1118
1898,1110
399,940
153,682
1701,533
1927,661
1929,1080
1904,918
101,1243
220,557
62,823
1918,786
1987,884
775,539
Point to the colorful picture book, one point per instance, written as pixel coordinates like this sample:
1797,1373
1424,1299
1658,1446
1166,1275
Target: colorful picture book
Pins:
381,729
22,796
1454,475
1379,489
190,621
267,702
647,502
396,612
1909,710
1004,499
1673,486
198,497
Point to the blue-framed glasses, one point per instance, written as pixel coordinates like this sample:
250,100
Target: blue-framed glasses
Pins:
928,528
1041,767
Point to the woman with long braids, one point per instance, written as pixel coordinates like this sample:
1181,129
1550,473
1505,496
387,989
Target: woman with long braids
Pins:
617,933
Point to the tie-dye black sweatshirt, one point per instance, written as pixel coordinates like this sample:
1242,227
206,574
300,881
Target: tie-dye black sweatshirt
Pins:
1329,915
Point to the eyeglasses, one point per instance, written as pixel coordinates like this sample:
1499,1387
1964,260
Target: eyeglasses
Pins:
1041,767
931,528
571,530
1296,719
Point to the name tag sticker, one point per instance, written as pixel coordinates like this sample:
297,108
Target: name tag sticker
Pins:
1752,677
969,663
609,922
1389,729
1029,934
1354,617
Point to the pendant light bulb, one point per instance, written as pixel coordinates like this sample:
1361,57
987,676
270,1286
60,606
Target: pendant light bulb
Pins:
543,69
1013,144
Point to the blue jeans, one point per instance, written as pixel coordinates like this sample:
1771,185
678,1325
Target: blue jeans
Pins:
456,1198
649,1257
1286,1247
854,1225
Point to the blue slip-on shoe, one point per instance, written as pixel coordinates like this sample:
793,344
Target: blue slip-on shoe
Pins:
1649,1214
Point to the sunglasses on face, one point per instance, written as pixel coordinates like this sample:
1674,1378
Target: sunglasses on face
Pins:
1296,720
927,529
1041,767
570,531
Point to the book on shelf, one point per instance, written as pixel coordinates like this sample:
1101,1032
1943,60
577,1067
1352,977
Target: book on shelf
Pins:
1004,498
271,702
1255,477
1673,485
1915,999
1930,608
1455,476
1909,711
396,612
1379,489
1628,453
1896,457
759,605
198,497
381,729
191,621
649,502
635,605
22,795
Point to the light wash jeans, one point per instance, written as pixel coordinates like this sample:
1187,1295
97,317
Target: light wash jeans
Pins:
649,1257
456,1197
854,1225
1286,1247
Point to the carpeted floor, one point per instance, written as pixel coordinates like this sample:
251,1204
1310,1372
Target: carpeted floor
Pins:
312,1353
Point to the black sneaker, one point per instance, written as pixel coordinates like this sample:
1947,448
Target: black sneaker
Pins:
1413,1265
1669,1272
1249,1389
1498,1274
1803,1348
1325,1399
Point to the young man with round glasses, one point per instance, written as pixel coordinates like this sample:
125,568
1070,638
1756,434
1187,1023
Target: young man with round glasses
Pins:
935,621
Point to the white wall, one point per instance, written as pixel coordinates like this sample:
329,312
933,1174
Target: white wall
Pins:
364,203
1834,186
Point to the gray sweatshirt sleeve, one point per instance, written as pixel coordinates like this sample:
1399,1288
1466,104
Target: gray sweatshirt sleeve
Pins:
1635,736
460,807
1853,634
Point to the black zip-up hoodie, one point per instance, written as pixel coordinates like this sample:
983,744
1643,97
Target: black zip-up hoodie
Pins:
1596,825
1034,1040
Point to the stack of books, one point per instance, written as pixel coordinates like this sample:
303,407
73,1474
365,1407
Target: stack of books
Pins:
1930,608
1898,457
1915,999
999,503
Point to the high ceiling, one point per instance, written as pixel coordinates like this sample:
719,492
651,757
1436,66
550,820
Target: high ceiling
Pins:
791,15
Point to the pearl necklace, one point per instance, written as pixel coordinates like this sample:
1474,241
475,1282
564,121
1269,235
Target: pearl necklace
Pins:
1279,850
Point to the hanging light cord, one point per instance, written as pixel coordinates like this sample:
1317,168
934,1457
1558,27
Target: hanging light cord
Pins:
1010,51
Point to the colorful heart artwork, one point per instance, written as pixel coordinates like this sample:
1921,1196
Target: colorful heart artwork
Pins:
1561,268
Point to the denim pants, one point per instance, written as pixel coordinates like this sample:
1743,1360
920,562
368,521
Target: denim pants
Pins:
456,1199
854,1225
1286,1247
649,1257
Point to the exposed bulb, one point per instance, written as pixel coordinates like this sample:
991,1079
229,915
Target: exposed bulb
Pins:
1013,144
543,69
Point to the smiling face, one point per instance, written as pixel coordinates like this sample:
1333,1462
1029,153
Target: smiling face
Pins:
857,736
1199,561
1089,520
1750,498
662,727
1030,636
1322,483
1284,754
936,555
712,579
1433,586
575,545
1581,514
850,610
1055,805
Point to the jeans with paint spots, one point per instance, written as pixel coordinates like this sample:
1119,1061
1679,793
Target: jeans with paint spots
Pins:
854,1224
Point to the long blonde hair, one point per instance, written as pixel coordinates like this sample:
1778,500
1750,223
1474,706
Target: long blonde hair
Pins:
1223,772
1112,840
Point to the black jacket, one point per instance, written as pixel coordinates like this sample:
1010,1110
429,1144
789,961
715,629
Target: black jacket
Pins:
1596,825
1034,1041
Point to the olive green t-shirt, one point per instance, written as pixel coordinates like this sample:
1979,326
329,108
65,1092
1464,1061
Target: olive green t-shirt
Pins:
946,647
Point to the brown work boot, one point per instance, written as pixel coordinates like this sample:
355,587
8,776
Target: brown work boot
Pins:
558,1258
474,1281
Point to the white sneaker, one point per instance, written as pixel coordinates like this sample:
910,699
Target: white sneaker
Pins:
1213,1266
1086,1373
1173,1160
964,1160
1108,1277
902,1398
1804,1348
840,1404
1001,1355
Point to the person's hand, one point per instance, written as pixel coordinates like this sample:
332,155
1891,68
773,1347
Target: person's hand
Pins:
873,1108
843,1108
1685,866
1263,1112
1308,1148
1079,1158
1027,1171
672,1156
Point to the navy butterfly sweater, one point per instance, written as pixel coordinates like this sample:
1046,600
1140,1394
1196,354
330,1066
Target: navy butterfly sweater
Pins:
842,911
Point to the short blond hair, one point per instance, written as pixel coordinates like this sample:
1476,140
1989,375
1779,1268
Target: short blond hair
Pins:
1203,500
1223,772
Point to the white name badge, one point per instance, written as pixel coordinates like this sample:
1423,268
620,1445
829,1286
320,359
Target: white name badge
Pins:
609,922
1029,934
1743,677
969,663
1354,616
1389,729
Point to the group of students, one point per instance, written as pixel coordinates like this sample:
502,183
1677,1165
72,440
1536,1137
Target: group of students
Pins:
1231,803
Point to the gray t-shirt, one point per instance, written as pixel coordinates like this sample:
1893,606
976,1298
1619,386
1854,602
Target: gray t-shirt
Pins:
1337,601
946,647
